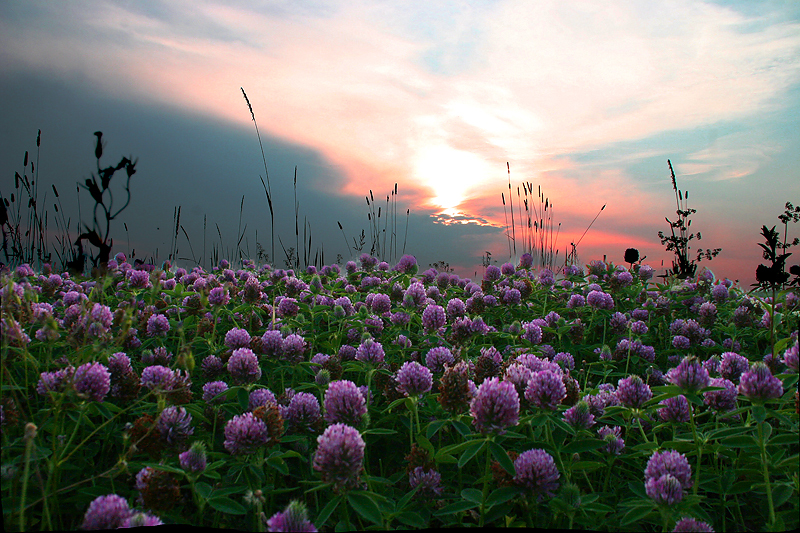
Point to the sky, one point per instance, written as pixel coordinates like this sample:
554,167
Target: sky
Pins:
467,108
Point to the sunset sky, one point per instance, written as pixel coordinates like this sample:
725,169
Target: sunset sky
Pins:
586,101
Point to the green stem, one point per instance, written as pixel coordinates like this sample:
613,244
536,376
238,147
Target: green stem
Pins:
30,434
485,493
699,451
763,446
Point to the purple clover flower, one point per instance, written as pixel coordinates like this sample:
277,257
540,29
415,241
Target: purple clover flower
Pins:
293,518
244,434
721,400
669,462
174,425
576,300
600,300
158,378
429,482
218,296
759,385
578,416
293,347
433,317
157,326
271,342
92,381
689,375
212,391
519,375
532,332
303,412
259,397
495,406
406,265
536,471
106,512
370,351
243,366
340,456
439,357
237,338
344,403
790,358
413,379
194,459
212,366
492,273
686,525
139,519
612,436
381,303
664,490
675,409
633,392
546,390
732,366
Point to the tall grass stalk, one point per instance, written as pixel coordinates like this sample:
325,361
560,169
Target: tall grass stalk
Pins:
267,188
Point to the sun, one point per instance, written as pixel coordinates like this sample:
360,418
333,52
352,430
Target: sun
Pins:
452,174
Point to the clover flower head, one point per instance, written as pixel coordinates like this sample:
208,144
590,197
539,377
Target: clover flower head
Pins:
536,471
340,456
344,403
413,379
495,406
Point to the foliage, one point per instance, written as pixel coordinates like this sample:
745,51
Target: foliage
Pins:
683,267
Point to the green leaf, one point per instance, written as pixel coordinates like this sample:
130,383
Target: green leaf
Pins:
636,514
740,441
365,505
461,427
203,489
588,466
434,427
470,452
781,494
226,505
759,413
243,397
412,519
278,464
425,444
583,445
558,422
402,502
500,454
456,507
472,495
502,495
379,431
165,468
326,512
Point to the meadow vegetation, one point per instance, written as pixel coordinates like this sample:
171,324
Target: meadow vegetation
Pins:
379,394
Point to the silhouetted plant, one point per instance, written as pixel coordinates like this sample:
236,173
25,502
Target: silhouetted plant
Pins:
792,214
28,244
97,191
442,266
771,277
632,256
683,267
774,275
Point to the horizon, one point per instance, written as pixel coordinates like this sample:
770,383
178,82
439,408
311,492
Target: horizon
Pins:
586,104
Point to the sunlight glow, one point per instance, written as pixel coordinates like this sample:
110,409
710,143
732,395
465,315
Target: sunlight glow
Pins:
451,174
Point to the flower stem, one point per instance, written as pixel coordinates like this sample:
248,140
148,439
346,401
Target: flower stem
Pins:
763,446
485,493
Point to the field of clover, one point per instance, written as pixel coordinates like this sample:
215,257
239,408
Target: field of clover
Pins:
382,396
